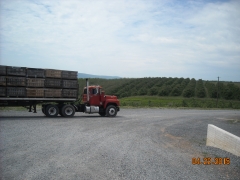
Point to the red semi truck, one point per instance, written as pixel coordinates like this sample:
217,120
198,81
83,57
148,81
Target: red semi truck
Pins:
56,90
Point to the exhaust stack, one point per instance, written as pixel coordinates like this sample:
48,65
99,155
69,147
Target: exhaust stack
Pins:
87,84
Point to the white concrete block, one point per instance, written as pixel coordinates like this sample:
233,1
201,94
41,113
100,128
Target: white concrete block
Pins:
222,139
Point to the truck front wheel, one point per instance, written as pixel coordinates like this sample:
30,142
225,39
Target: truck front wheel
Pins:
68,110
51,110
111,111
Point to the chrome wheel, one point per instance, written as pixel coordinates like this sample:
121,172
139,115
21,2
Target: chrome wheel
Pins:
52,111
112,111
68,111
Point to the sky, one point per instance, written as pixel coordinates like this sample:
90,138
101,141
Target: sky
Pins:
126,38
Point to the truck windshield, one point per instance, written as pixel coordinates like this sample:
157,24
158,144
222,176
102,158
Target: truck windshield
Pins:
91,91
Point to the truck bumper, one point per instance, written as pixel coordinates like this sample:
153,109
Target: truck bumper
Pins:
118,108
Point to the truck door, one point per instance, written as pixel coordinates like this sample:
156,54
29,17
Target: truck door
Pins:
94,97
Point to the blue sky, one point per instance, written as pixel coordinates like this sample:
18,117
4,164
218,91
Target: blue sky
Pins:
137,38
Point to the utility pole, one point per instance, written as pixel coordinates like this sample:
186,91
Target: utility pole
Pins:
217,91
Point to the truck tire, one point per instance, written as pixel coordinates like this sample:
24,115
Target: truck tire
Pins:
68,110
111,111
44,108
102,114
51,110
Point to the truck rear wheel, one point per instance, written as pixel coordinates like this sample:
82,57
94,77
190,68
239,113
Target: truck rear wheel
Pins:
68,110
111,111
51,110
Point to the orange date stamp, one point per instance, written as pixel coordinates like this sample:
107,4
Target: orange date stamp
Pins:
209,161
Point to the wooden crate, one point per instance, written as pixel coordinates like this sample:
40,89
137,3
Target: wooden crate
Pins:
3,91
69,93
53,93
16,91
35,92
69,74
70,84
54,83
3,70
53,73
2,80
16,71
35,82
37,73
16,81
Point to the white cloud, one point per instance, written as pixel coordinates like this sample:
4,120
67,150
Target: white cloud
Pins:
124,38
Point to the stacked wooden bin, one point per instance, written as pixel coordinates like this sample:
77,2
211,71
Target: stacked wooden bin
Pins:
37,83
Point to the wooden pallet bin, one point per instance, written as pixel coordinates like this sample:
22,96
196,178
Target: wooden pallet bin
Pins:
54,83
69,74
35,82
35,92
16,71
16,81
51,73
16,91
2,80
3,91
70,84
52,93
3,70
37,73
69,93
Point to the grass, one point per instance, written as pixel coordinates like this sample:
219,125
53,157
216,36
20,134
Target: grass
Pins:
18,108
233,121
177,102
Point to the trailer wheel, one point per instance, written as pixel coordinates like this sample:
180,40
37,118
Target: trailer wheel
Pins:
102,114
68,110
111,111
51,110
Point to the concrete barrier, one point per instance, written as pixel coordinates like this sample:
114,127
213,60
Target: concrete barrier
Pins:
222,139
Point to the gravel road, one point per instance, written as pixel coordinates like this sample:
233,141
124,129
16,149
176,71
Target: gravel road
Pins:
137,144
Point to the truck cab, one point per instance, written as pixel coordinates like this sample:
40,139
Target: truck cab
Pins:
96,101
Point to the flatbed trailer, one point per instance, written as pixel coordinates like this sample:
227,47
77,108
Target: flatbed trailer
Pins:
32,102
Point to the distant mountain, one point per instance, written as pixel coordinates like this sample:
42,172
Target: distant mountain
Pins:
83,75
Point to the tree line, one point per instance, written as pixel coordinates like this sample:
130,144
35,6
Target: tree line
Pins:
178,87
